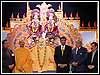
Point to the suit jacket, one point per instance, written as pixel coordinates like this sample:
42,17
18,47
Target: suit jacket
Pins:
95,62
81,58
65,59
7,59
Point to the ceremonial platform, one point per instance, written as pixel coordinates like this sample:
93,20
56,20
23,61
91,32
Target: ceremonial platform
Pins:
44,22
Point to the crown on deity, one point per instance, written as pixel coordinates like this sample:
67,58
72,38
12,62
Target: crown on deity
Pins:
35,10
51,10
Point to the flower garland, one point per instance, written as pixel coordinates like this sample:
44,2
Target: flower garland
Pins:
41,65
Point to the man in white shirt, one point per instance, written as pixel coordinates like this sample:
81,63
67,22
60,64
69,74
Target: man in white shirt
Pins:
93,58
62,56
79,57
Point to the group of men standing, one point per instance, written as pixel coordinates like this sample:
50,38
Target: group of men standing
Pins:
78,58
64,59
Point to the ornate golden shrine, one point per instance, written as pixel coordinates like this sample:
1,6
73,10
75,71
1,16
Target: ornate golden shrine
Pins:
65,25
63,28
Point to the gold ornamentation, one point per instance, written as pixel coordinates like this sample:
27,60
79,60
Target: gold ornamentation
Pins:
44,58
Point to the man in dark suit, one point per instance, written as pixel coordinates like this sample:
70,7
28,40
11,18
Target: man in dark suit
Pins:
79,58
62,56
8,59
93,58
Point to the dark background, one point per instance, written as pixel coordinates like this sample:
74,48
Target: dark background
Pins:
86,10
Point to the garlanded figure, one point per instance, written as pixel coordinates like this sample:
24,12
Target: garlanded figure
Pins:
35,21
43,13
50,15
41,56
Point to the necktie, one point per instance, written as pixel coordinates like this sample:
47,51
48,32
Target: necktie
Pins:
76,50
92,57
62,50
